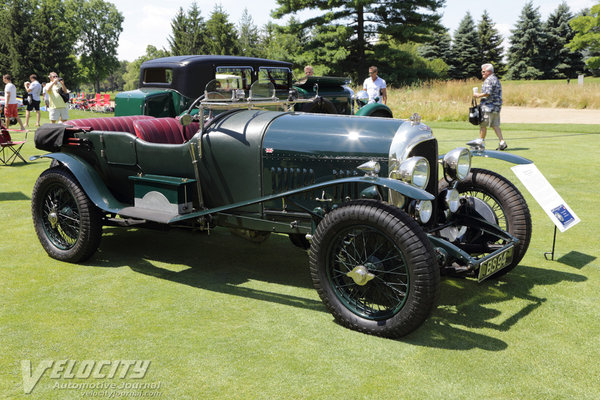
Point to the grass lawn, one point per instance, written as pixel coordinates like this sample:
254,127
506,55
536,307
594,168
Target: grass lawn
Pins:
223,318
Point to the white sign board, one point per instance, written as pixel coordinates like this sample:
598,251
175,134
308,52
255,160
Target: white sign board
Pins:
546,196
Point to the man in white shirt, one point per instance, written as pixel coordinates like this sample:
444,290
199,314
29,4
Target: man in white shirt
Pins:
375,87
10,101
34,88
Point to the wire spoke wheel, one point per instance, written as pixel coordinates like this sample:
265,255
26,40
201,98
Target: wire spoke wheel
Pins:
373,267
60,217
67,223
365,251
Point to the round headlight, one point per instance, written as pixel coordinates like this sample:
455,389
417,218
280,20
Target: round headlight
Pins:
424,210
415,171
452,200
457,164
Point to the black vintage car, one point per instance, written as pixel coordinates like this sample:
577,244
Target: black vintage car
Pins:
363,194
168,85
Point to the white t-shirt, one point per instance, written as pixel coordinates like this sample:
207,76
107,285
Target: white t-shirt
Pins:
36,89
12,89
373,89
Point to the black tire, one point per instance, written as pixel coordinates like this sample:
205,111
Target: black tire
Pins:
387,244
299,240
319,106
507,203
67,223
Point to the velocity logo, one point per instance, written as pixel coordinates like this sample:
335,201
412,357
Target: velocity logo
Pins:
86,369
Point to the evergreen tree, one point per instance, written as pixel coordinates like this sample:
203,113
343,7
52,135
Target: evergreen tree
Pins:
491,43
562,61
285,43
221,35
466,59
438,48
249,39
188,32
526,54
401,20
587,37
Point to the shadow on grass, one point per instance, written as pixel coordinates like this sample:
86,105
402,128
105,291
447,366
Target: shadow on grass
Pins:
576,259
221,262
465,305
12,196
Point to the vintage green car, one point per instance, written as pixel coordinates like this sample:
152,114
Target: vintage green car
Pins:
362,194
167,86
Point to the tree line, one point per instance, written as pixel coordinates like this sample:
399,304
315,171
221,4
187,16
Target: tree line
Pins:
404,38
75,38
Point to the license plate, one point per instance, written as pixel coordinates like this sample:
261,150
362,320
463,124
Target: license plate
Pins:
495,264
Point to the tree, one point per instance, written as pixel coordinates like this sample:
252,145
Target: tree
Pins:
466,58
439,47
526,55
37,38
562,61
401,20
249,38
286,43
99,25
188,35
587,36
490,42
221,35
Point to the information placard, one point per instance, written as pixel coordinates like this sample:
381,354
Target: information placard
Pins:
544,193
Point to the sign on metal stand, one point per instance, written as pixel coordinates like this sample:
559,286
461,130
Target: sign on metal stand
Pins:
548,198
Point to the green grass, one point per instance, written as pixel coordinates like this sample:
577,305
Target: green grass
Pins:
220,317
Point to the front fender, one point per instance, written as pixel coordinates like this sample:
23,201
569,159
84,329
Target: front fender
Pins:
90,181
500,155
375,108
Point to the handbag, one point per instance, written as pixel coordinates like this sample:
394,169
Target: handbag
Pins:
475,114
65,96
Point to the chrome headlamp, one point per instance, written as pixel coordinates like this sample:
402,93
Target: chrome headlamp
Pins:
414,170
423,210
457,164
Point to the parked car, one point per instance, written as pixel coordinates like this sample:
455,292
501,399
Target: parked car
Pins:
362,194
168,85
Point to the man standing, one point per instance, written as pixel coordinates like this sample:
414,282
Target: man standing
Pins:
491,104
33,89
10,101
57,107
375,87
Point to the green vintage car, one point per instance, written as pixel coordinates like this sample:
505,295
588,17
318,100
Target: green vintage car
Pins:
362,194
167,86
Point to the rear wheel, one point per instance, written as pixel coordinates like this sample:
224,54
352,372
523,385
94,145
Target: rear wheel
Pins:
67,223
498,201
373,267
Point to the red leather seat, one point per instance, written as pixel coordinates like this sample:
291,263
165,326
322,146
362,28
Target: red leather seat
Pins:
115,124
159,130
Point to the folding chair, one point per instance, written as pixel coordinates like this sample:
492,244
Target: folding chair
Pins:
10,150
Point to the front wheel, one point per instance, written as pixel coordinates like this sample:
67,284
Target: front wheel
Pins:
373,268
67,223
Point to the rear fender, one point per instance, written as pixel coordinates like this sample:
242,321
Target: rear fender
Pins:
372,108
90,181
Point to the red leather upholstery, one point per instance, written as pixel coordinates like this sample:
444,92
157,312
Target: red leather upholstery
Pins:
159,130
190,130
115,124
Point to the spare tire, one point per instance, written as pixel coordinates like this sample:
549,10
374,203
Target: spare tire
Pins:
319,106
